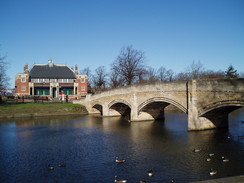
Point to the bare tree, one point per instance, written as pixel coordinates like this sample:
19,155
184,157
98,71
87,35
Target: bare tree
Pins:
115,81
152,74
99,78
87,71
170,75
182,76
129,64
161,72
165,75
142,74
195,70
3,76
210,74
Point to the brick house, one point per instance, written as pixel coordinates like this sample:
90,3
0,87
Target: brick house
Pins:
51,80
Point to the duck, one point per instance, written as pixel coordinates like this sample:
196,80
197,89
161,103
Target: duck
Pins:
119,160
143,181
119,180
213,172
196,150
50,167
150,173
62,165
229,136
224,159
208,159
211,154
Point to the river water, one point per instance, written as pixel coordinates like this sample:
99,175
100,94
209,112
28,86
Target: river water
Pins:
89,145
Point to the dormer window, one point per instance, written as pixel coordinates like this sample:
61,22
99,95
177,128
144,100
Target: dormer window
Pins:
23,79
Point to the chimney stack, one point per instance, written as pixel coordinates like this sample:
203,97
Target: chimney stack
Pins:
26,69
76,69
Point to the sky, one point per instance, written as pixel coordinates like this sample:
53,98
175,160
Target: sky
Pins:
91,33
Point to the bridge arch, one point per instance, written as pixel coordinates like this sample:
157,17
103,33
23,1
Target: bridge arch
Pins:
164,100
218,112
98,107
235,104
122,107
118,101
155,107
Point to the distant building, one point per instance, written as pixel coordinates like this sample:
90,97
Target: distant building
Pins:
51,80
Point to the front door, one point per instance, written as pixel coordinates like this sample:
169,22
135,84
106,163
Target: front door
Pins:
54,92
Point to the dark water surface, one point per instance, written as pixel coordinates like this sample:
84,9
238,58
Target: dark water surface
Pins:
88,146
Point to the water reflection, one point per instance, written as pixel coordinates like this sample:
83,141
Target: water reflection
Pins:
89,145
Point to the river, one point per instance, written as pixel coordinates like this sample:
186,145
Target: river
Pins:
89,145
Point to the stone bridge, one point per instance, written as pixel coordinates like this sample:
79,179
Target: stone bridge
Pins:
206,102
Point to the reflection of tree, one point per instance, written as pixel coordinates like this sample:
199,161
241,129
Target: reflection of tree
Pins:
50,121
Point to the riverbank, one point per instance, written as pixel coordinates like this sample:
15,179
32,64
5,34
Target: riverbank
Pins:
34,109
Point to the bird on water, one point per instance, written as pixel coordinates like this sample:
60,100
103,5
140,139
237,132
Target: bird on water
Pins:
62,165
213,172
50,167
196,150
119,160
119,180
150,173
224,159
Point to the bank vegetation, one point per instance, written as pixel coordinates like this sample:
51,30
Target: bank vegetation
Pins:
38,109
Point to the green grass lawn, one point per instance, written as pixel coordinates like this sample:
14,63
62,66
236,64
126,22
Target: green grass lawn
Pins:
33,109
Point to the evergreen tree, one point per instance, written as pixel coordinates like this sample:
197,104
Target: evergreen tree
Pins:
231,72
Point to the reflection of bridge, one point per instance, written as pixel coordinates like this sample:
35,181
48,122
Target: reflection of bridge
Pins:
207,102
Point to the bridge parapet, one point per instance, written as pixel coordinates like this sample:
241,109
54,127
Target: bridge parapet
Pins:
209,92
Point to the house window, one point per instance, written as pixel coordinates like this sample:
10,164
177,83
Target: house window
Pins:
41,91
23,88
46,80
39,80
23,79
34,80
70,80
83,80
67,91
83,88
53,80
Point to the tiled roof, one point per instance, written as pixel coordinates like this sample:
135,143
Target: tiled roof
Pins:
53,71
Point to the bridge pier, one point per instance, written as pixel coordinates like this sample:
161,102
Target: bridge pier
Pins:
211,120
105,110
199,123
194,121
134,109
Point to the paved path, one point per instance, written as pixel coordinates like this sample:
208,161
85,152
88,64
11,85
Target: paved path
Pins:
236,179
